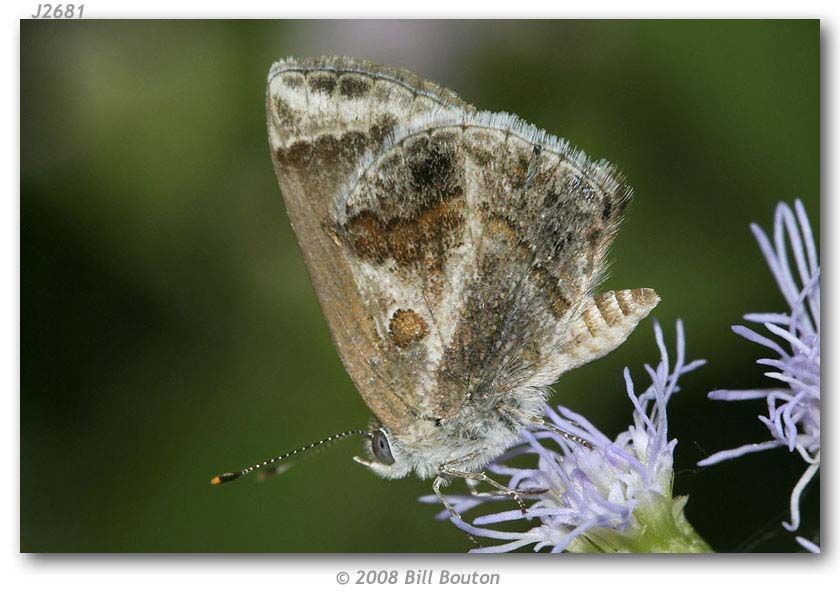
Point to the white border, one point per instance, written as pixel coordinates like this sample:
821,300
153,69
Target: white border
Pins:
28,576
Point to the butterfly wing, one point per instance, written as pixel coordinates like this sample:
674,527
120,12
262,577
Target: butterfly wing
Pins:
454,253
475,242
323,116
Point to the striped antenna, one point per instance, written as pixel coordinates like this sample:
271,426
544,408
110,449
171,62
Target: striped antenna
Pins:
225,477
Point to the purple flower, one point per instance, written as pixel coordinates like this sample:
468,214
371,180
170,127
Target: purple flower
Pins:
808,545
793,398
613,497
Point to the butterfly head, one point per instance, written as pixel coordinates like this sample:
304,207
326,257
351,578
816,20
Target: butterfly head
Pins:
388,453
423,446
385,455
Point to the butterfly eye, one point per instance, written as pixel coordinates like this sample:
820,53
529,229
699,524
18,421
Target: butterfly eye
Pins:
381,447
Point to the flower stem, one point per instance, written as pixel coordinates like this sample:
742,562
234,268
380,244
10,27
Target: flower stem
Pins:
661,528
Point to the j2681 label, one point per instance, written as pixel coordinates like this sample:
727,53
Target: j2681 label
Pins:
59,11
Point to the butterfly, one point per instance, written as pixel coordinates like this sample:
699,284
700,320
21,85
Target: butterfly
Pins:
455,255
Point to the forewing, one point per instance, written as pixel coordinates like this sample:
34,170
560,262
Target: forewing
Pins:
323,116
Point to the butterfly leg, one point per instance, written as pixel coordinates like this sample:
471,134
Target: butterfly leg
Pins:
575,439
441,481
449,471
539,422
472,484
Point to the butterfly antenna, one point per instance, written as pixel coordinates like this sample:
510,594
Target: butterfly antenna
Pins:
225,477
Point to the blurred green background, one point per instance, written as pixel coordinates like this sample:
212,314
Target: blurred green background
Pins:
169,330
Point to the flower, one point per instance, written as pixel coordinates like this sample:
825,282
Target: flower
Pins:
614,496
808,545
793,400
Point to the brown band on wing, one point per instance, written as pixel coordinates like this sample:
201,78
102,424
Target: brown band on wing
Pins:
436,227
413,210
330,148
